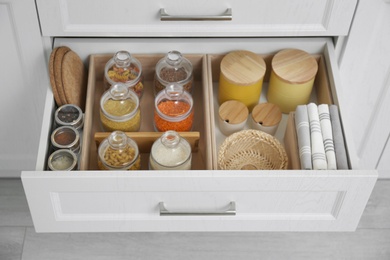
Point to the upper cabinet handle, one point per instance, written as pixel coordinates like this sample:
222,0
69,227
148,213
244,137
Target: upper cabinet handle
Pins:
226,16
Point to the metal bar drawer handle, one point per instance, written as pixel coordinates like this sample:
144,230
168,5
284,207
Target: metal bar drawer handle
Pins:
226,16
231,211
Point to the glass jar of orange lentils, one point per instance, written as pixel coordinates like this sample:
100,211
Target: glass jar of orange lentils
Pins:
173,109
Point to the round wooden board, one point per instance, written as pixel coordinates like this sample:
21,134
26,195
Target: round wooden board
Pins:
52,77
61,51
74,79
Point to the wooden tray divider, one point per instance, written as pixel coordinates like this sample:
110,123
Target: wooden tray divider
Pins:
145,140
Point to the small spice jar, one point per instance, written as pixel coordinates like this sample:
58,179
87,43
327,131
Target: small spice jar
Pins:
292,79
241,77
173,68
62,160
66,137
170,152
232,118
69,115
119,109
173,109
126,69
266,117
118,152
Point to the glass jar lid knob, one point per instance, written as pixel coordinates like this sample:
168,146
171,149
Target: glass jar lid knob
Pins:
175,91
170,139
119,91
174,58
118,140
122,59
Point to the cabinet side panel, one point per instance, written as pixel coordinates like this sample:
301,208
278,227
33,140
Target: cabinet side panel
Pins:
23,78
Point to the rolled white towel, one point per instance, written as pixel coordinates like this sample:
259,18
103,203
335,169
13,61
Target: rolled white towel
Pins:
327,136
338,138
303,137
317,144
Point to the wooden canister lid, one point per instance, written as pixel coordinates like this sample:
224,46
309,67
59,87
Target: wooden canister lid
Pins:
294,66
267,114
243,67
233,112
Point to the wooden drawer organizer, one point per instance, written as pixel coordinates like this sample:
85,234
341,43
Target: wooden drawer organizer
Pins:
199,138
321,94
206,136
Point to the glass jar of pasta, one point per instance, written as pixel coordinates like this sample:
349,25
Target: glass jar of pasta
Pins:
119,109
118,152
126,69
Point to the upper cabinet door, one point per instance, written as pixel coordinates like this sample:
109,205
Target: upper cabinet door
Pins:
365,78
195,18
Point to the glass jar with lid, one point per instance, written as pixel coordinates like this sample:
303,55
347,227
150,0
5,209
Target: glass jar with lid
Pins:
66,137
173,109
120,110
126,69
170,152
118,152
62,160
173,68
69,115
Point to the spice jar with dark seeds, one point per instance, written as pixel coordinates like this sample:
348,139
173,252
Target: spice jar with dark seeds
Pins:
118,152
173,109
173,68
120,110
170,152
124,68
69,115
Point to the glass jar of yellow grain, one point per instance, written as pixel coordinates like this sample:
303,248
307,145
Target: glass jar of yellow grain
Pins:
173,68
124,68
118,152
119,109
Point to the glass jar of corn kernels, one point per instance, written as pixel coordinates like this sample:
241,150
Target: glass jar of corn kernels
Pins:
124,68
118,152
120,110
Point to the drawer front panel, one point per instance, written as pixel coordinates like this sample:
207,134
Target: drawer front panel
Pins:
99,201
270,201
249,18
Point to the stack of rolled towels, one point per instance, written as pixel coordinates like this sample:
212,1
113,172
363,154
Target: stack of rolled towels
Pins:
320,137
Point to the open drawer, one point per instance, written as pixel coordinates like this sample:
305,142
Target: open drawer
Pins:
203,199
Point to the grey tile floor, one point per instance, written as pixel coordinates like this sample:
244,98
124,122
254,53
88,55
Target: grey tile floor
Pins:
18,240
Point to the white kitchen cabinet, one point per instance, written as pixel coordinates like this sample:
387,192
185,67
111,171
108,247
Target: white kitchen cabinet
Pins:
365,78
384,164
208,199
249,18
23,81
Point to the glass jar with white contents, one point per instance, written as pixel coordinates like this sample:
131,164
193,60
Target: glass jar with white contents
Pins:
170,152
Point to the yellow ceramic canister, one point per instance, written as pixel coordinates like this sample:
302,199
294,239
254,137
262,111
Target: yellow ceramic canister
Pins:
292,77
241,77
